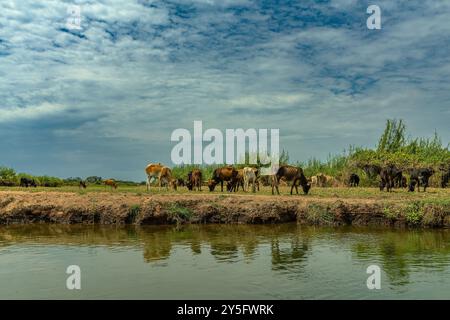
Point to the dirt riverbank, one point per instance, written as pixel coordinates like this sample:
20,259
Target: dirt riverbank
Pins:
128,208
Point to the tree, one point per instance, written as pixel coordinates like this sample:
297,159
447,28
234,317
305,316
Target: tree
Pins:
393,137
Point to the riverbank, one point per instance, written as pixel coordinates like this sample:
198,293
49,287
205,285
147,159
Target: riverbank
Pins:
401,209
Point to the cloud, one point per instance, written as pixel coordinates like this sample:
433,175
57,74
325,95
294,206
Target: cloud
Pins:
30,113
139,69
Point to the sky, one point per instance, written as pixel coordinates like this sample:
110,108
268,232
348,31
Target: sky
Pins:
105,99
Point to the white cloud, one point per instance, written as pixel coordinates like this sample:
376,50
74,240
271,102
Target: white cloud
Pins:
30,112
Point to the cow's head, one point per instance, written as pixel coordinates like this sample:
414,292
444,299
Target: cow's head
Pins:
306,187
173,184
211,185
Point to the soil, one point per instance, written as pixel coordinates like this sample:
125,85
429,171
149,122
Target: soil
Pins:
128,208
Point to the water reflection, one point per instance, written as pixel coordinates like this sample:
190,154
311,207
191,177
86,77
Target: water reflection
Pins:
289,246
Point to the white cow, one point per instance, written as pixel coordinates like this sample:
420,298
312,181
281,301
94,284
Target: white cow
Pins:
250,176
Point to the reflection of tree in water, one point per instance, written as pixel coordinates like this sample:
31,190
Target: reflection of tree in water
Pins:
291,258
157,246
196,247
402,251
249,248
394,265
224,250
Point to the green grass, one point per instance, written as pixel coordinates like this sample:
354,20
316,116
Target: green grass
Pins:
414,213
179,212
134,211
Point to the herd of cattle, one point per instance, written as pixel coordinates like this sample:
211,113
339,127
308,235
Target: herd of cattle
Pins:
390,176
234,178
250,177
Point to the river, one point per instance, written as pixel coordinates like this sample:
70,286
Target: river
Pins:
285,261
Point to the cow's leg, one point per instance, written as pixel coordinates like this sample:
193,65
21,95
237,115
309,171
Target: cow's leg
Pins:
221,185
148,183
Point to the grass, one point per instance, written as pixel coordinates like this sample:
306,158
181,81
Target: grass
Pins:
179,212
414,213
433,195
134,211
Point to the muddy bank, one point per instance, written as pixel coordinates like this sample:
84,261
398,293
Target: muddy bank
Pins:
117,208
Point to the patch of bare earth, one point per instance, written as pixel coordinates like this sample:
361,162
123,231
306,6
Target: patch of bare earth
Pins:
129,208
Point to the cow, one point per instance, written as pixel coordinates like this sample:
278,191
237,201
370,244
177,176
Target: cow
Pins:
111,183
180,182
313,181
400,181
444,179
236,182
354,180
372,170
157,171
419,177
293,174
25,182
194,180
165,178
388,175
321,180
82,184
177,182
152,170
330,181
221,175
250,177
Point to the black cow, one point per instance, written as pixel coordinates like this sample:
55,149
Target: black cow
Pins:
25,182
400,181
354,180
419,177
388,175
444,179
372,170
82,184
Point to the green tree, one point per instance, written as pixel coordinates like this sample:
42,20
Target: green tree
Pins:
393,137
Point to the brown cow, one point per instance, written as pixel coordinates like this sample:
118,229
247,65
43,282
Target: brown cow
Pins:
321,180
165,178
111,183
293,174
236,182
194,180
220,175
152,170
162,173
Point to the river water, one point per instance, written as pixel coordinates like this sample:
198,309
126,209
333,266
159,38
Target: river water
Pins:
223,262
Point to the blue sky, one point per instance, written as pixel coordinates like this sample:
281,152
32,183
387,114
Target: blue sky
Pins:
104,100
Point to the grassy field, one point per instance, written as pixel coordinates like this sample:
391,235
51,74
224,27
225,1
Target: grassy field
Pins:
432,194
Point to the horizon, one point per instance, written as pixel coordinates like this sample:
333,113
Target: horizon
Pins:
103,100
